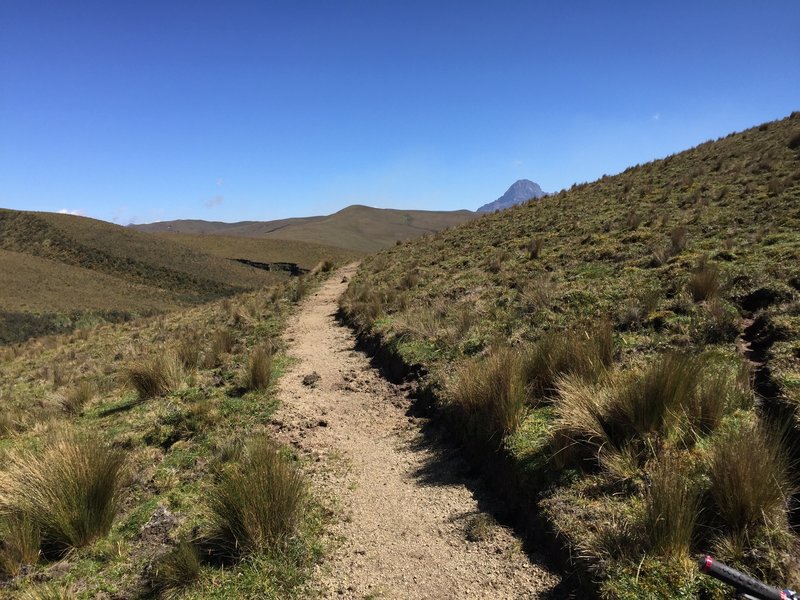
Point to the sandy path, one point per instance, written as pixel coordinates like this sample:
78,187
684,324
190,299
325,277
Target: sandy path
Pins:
401,507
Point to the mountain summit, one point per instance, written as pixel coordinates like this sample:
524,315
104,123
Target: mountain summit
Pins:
521,191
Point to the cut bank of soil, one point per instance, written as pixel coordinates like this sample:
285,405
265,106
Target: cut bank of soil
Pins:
404,514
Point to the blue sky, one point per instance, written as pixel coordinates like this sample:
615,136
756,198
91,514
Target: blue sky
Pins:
155,110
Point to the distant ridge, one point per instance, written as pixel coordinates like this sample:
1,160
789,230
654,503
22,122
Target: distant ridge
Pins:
356,228
520,191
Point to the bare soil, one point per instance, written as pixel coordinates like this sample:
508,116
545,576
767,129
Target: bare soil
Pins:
407,522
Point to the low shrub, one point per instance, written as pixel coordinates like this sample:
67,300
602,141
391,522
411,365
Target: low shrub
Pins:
174,571
257,504
488,396
259,369
154,376
794,141
69,491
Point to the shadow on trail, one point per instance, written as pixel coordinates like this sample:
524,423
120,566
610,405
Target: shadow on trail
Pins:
448,463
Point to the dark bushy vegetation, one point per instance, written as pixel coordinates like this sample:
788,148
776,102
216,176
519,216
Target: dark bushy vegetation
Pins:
174,571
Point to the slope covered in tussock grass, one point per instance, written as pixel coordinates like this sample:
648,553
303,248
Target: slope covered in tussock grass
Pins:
646,323
129,454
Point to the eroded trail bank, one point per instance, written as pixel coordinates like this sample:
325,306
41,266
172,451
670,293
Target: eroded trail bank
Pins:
406,524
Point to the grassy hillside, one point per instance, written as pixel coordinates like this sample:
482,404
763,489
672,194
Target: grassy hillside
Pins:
304,254
62,271
355,228
132,458
125,253
619,345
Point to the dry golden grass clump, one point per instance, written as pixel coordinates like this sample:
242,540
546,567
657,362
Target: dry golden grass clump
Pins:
189,347
672,504
324,266
155,376
704,283
259,369
488,396
673,396
78,397
20,543
69,491
257,504
50,591
750,481
222,342
585,353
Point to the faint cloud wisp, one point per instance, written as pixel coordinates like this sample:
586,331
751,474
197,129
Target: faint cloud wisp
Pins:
67,211
213,202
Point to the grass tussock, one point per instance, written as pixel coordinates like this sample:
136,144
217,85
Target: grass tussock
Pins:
259,369
324,266
173,572
586,354
79,396
257,504
298,290
20,541
671,507
705,282
488,396
534,247
648,401
749,476
155,376
222,341
69,491
188,349
50,591
619,421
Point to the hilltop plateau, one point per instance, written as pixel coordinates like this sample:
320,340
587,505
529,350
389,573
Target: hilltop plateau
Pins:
609,352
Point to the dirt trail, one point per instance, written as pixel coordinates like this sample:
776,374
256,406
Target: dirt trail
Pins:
402,509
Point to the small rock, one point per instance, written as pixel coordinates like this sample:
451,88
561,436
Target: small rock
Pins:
311,379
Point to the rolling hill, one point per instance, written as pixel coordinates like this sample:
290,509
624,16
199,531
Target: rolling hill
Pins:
355,228
606,353
57,271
